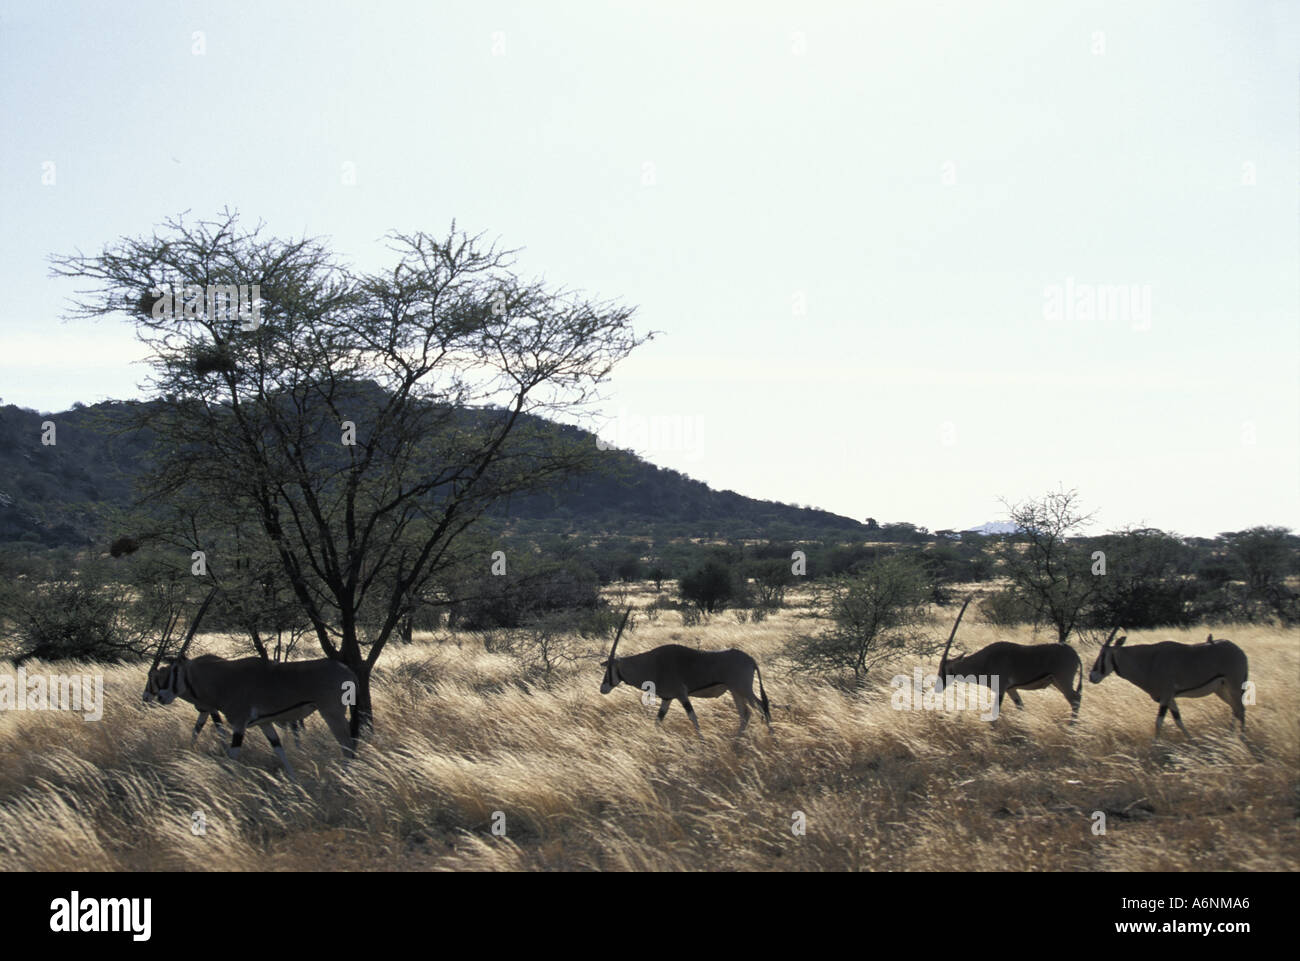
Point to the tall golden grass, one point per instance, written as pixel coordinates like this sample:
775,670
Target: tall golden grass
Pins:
585,782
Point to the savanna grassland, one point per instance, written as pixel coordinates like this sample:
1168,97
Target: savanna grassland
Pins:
587,782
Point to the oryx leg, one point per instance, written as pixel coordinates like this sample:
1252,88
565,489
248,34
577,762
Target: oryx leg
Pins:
1233,700
663,709
690,712
742,706
203,719
1015,697
269,731
236,742
198,726
1178,718
1063,685
338,725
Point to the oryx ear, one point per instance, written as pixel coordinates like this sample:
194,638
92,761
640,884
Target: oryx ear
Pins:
1119,642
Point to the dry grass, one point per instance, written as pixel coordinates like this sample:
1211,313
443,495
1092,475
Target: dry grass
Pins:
588,782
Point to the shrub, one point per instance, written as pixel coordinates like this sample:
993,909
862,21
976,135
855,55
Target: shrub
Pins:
79,615
709,587
1006,609
874,616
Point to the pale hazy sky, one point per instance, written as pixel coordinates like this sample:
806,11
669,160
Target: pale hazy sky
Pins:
848,220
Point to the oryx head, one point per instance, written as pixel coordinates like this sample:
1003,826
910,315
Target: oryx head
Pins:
161,683
947,666
612,678
1105,662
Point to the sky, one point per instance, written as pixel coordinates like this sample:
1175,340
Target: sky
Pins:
868,234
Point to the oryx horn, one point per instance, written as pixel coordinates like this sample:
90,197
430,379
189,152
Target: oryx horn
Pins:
622,624
674,672
1008,668
943,660
162,647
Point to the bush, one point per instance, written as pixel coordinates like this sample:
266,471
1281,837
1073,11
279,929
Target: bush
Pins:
529,590
708,587
543,645
81,616
875,615
1144,585
1006,609
771,578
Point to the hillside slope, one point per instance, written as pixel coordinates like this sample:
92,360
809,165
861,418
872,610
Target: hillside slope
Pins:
63,494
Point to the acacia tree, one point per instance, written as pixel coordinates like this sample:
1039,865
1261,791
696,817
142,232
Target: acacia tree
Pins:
364,422
1144,584
876,614
1265,557
709,587
1049,572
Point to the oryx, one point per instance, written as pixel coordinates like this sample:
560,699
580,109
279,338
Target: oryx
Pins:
1009,668
205,710
256,692
1170,670
676,672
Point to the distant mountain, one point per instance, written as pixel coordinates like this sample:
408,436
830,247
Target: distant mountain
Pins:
993,527
64,494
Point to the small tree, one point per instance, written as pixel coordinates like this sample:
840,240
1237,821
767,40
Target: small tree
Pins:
630,568
708,587
1143,585
874,616
1264,556
363,422
1052,574
771,578
85,614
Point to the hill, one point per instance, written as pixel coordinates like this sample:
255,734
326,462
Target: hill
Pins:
65,494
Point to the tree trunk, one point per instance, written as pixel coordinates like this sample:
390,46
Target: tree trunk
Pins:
350,653
364,708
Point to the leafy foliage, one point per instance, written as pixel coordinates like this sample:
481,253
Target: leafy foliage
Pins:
875,615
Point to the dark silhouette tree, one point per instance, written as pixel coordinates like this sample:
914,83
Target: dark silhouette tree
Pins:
1050,572
362,422
708,587
875,615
